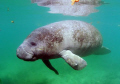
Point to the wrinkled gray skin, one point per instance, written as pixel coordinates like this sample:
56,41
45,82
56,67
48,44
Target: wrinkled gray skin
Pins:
49,41
81,8
53,38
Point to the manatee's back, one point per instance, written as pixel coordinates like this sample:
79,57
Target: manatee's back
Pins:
70,34
76,35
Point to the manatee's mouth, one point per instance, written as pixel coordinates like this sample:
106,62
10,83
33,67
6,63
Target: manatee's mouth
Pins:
25,54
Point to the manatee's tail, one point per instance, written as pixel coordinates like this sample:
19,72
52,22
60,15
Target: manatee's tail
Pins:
48,64
102,51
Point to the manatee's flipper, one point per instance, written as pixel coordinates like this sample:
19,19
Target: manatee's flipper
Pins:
48,64
73,60
103,50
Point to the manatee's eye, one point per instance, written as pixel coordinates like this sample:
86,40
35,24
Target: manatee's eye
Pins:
33,44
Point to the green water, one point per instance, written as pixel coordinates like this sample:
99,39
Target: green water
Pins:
104,69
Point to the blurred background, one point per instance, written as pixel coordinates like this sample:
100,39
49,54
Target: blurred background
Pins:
18,18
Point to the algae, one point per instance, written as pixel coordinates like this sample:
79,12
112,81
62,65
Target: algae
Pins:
0,81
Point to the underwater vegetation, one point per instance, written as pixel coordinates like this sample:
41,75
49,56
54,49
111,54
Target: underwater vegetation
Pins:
0,81
45,81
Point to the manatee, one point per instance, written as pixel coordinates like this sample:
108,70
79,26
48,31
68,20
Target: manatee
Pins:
69,39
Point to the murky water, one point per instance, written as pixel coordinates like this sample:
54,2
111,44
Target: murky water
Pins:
27,16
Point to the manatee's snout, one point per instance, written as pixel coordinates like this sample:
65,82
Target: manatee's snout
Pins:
23,53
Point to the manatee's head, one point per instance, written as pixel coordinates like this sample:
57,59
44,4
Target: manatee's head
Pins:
30,49
40,44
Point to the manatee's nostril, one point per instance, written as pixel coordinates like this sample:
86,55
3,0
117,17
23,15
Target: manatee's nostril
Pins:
32,43
23,54
19,52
